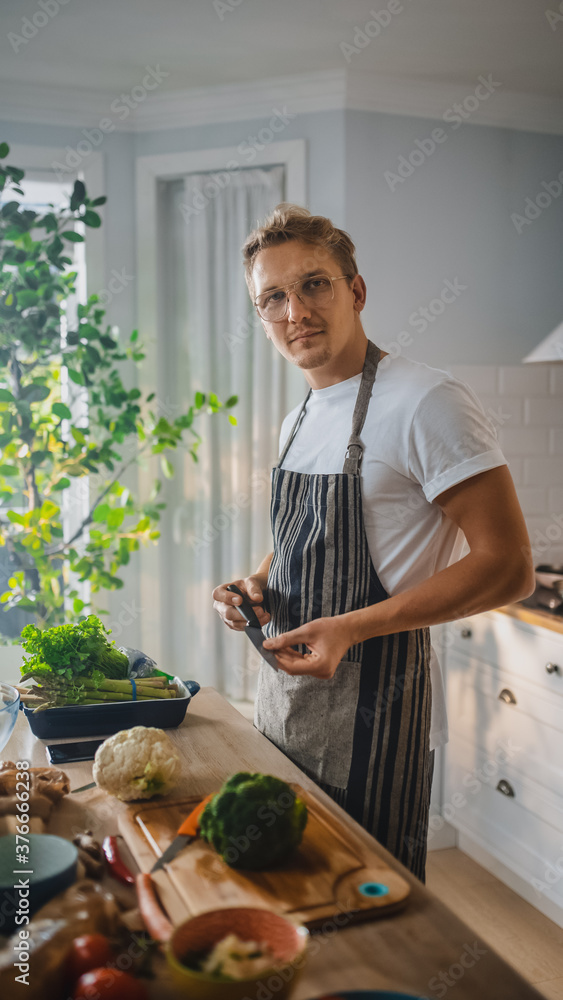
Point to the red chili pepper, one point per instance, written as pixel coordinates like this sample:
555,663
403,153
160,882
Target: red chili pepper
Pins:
115,862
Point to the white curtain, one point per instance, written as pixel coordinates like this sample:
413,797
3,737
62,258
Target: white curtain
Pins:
216,527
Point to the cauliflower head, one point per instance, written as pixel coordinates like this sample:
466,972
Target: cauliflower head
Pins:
137,763
255,821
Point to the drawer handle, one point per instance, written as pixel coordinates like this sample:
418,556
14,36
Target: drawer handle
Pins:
507,697
506,788
552,668
466,633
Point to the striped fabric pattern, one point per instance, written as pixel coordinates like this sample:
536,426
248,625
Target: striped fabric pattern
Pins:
363,735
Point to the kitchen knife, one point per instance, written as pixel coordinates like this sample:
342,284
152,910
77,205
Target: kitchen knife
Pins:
186,833
253,630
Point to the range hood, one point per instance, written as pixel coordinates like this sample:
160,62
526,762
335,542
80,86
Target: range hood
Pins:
550,349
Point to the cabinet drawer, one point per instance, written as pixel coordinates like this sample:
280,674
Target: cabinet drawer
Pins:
511,690
535,746
519,649
469,769
525,842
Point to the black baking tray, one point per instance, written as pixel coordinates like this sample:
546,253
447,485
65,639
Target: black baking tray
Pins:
104,720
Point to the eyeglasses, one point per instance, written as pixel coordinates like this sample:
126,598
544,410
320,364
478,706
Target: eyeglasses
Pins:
316,291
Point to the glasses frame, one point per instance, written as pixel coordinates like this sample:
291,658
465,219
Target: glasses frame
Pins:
291,286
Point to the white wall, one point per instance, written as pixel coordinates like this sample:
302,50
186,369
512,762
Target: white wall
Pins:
452,218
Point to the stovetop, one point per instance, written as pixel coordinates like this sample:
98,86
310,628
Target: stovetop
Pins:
541,600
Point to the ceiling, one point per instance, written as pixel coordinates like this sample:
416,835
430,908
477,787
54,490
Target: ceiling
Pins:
105,46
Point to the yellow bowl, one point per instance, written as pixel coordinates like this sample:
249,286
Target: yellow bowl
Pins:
287,941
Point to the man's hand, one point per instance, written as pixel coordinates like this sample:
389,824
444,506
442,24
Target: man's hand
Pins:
225,602
327,638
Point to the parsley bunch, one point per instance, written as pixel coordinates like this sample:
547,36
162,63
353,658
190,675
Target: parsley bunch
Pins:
73,651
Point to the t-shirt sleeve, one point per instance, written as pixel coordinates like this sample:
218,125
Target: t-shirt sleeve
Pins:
451,438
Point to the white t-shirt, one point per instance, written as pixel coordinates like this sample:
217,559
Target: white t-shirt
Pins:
424,432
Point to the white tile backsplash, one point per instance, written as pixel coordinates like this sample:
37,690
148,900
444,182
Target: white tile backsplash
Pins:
525,403
545,412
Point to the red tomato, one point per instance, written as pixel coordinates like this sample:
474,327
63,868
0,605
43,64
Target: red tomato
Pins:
88,952
109,984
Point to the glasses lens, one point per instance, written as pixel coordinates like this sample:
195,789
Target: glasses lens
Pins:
271,305
315,291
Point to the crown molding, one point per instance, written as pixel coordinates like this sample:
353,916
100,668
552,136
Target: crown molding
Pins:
303,93
427,99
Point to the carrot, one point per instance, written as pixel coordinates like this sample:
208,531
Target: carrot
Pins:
158,926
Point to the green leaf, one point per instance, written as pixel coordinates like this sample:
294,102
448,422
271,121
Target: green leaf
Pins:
232,401
4,150
6,396
26,298
61,410
99,201
39,456
78,196
16,518
9,470
61,485
10,208
77,605
101,512
167,467
199,399
91,219
232,420
115,517
78,435
134,336
77,377
72,237
35,393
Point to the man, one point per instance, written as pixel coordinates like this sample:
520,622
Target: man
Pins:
385,471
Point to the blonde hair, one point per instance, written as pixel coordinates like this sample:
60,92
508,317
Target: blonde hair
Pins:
292,222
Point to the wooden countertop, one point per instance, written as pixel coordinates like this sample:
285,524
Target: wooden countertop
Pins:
533,616
411,951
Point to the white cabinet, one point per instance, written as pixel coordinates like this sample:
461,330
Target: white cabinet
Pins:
503,785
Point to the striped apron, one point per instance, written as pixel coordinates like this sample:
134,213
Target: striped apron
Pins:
362,735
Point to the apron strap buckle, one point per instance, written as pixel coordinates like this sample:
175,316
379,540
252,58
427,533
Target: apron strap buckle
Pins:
354,456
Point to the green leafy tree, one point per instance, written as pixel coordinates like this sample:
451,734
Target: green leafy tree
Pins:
44,446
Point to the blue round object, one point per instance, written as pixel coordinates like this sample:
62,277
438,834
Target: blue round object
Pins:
373,889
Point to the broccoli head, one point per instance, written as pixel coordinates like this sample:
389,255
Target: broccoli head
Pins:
254,822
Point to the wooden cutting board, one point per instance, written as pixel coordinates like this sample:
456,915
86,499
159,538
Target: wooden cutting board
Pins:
321,880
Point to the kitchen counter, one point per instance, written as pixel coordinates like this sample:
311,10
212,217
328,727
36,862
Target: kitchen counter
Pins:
423,949
533,616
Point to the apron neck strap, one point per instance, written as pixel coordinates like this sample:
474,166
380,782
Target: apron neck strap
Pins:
355,449
294,430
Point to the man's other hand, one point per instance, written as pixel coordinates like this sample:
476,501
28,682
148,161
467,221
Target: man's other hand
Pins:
327,638
225,602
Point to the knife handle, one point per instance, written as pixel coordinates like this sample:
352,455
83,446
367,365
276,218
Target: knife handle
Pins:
190,825
245,607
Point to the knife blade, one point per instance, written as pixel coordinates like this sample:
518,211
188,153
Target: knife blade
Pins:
184,836
253,630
